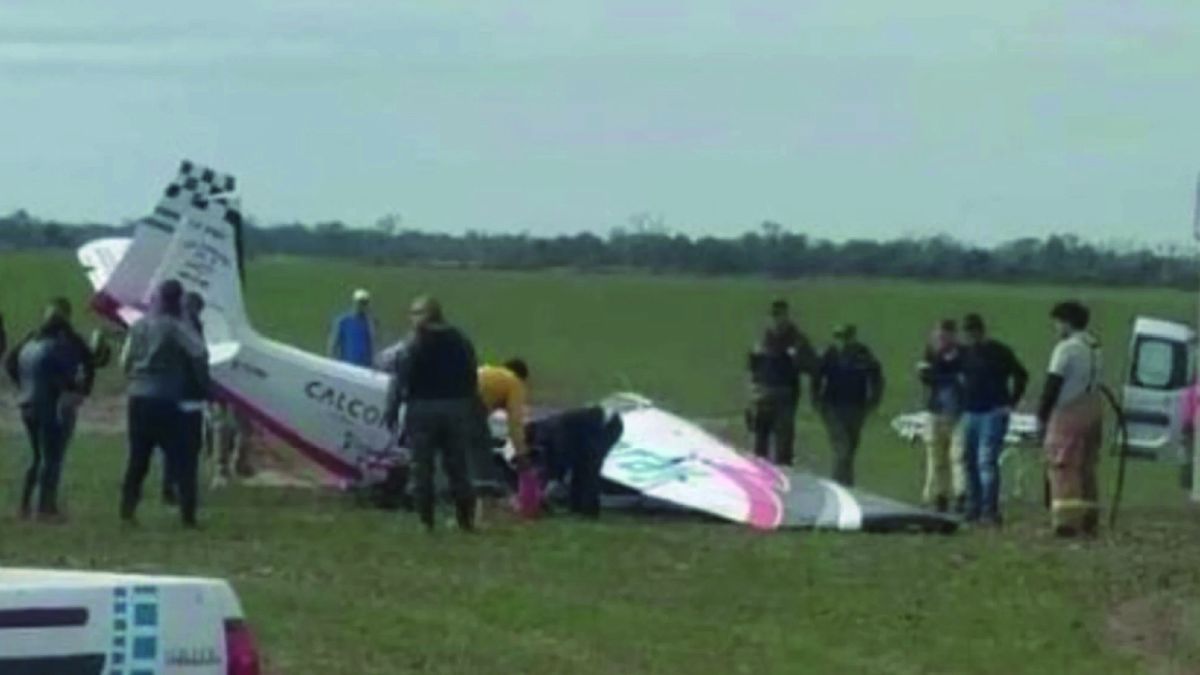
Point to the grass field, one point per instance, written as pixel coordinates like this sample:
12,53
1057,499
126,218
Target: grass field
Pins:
335,590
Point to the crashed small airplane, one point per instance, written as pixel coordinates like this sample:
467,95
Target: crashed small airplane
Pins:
333,413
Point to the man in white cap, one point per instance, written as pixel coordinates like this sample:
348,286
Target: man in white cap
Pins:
352,339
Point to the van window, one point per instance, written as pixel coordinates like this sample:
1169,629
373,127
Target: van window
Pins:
1160,364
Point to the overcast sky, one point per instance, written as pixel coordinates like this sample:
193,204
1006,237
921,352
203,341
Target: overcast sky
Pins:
841,117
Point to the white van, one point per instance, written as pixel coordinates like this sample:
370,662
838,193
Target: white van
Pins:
1161,369
93,623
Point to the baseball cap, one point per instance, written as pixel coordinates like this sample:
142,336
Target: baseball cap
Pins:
362,295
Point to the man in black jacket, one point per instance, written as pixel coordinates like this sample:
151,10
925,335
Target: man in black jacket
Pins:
848,386
994,383
437,378
779,359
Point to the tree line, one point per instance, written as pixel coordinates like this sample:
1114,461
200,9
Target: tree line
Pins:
646,245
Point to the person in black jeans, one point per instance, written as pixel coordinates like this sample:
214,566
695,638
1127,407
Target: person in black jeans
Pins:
848,386
181,479
43,370
437,377
160,354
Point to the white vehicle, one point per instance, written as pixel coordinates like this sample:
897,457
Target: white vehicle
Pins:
93,623
1161,368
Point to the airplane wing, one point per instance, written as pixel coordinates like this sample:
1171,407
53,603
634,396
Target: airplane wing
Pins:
673,460
670,459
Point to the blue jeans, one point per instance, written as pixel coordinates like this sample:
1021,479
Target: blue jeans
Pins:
983,442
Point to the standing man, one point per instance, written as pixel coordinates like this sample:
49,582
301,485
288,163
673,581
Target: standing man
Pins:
1071,420
504,388
848,387
44,371
776,364
352,339
994,383
438,379
160,354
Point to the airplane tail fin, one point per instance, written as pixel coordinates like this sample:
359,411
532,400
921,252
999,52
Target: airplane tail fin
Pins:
194,235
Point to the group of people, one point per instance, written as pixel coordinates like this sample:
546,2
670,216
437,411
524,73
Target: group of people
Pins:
847,386
165,362
974,382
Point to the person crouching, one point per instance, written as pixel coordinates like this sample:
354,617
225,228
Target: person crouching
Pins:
1071,417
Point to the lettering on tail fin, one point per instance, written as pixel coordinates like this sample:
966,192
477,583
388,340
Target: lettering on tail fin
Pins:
195,189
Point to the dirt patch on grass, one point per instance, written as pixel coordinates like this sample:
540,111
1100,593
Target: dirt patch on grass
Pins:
1160,630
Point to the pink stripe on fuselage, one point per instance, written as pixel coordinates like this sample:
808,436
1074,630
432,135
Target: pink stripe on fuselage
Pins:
325,459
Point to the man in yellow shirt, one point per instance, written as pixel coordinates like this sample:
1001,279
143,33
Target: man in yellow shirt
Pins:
506,388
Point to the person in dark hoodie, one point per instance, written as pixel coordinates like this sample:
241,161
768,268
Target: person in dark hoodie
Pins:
44,370
437,377
160,354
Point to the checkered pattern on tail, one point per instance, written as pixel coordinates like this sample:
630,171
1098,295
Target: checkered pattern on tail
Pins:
203,180
202,188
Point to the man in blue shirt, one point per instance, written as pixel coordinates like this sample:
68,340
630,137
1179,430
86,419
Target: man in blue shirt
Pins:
352,339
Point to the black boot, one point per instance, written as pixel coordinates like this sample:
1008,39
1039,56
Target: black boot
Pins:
426,516
128,515
464,511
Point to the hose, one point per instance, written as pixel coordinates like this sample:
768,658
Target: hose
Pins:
1123,431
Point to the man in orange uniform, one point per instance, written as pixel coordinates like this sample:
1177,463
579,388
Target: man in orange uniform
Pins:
502,388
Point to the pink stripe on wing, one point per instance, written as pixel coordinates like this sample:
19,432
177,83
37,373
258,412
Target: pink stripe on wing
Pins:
766,508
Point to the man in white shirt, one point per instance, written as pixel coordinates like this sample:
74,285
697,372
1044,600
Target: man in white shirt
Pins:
1071,416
